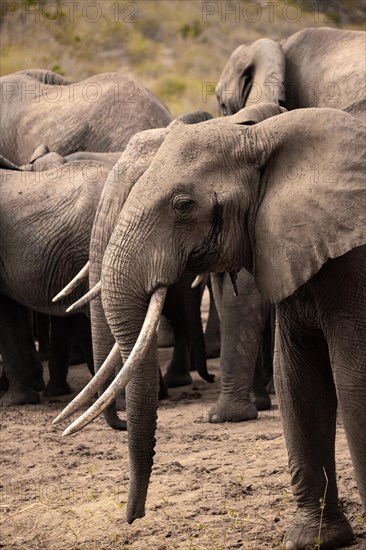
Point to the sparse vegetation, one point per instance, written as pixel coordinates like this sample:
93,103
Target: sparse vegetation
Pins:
171,46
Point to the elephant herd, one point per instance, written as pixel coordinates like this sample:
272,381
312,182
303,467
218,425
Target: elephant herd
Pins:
269,198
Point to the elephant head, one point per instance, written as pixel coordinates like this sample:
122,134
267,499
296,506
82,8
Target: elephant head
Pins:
279,198
253,74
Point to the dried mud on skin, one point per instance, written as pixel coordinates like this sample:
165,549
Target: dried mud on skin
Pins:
213,486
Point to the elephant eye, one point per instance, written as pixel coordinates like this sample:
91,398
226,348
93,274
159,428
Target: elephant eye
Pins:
183,204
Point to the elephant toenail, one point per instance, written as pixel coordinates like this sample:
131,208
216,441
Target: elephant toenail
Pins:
290,545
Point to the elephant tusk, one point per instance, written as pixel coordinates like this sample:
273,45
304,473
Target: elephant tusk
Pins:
84,300
129,368
101,376
74,283
197,281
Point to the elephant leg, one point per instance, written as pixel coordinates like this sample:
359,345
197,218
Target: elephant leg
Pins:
212,332
260,395
37,381
351,392
268,348
42,334
347,355
242,323
178,371
165,333
308,403
18,354
192,306
63,331
4,383
85,339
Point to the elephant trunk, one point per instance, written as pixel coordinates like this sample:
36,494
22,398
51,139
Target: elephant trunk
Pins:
269,75
125,304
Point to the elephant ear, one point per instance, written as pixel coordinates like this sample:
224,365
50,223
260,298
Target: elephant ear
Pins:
40,151
191,118
253,74
313,196
256,113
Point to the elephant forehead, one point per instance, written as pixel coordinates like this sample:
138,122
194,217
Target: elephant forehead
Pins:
195,147
197,155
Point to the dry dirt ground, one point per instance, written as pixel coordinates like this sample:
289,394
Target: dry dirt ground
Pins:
213,487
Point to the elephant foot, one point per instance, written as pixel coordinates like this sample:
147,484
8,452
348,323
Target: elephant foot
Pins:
52,390
226,411
304,532
38,384
261,399
173,380
22,396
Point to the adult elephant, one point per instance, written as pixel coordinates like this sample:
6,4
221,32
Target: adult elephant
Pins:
24,367
99,114
45,224
182,306
315,67
217,197
320,67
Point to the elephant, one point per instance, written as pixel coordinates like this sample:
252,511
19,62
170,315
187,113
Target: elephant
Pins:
45,224
220,196
315,67
23,369
98,114
183,304
59,332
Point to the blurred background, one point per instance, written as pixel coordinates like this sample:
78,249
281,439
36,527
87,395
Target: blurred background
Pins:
174,47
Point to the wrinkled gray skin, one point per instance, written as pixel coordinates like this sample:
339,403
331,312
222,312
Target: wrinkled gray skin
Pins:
45,225
320,67
216,198
137,156
312,68
44,159
242,321
98,114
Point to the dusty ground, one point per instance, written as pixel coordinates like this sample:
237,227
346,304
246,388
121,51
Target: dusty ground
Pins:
213,487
